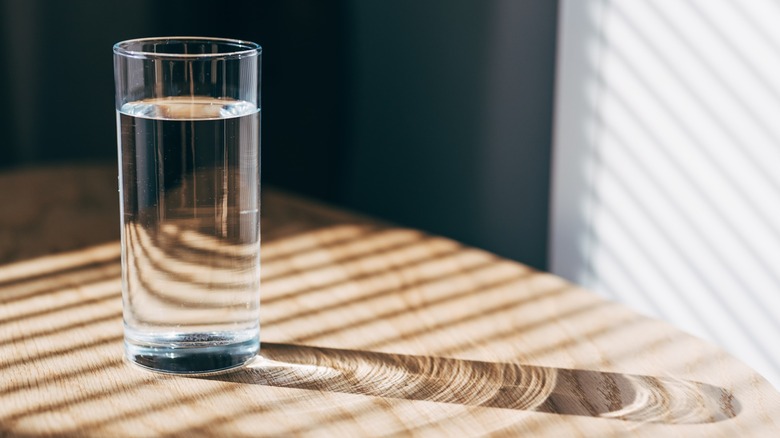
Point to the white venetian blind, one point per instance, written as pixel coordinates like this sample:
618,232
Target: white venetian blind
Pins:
666,186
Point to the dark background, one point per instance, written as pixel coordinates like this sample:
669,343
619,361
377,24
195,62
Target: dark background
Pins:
435,114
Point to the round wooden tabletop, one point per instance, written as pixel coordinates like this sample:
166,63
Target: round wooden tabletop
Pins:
368,329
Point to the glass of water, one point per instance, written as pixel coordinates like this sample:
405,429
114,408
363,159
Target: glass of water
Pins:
188,120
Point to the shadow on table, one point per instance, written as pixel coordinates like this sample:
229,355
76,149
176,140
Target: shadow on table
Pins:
497,385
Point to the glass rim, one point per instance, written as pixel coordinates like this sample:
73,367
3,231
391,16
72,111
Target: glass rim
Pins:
243,48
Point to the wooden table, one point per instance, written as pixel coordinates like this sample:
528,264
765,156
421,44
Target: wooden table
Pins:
367,328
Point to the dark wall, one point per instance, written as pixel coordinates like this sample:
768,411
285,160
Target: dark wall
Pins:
59,78
435,114
452,119
65,66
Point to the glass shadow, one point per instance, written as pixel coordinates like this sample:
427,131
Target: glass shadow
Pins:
563,391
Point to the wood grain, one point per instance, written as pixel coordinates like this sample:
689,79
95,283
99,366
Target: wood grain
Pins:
368,329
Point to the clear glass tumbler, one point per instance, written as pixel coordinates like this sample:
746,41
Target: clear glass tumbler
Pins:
188,121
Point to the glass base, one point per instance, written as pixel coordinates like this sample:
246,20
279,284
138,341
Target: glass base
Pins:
191,353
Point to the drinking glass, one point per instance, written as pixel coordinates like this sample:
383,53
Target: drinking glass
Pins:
188,121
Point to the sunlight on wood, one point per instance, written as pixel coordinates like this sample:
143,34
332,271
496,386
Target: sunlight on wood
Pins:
368,329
